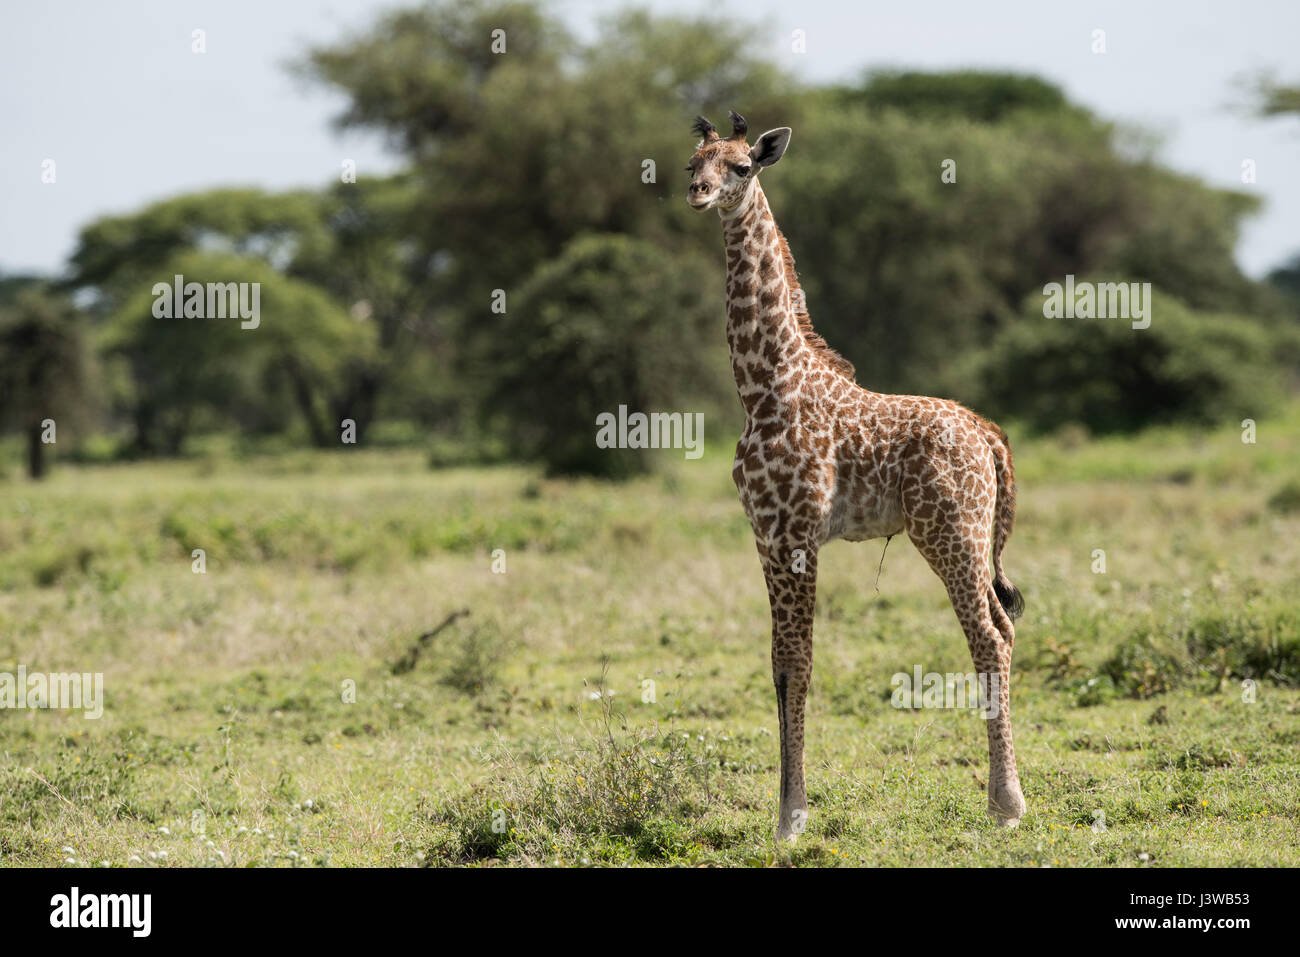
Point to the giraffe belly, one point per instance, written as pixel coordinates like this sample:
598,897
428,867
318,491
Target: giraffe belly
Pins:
864,516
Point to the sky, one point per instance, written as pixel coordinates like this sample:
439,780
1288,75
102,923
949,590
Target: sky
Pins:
113,94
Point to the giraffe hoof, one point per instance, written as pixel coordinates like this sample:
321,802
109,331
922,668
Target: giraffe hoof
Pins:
786,834
1008,809
1006,805
789,829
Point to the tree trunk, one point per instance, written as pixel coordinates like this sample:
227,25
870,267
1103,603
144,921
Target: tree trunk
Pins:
359,403
35,452
142,417
321,436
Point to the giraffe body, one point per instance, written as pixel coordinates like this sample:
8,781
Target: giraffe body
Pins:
822,458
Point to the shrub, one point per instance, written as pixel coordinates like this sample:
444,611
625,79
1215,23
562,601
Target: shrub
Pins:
611,321
1213,649
1102,373
1286,499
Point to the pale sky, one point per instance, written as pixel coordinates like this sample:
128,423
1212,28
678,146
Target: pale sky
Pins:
113,94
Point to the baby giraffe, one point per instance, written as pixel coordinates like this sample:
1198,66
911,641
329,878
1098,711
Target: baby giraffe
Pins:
822,458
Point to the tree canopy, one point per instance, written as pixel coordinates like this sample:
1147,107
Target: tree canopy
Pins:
542,171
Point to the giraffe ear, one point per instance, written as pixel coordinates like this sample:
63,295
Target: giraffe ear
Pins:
770,146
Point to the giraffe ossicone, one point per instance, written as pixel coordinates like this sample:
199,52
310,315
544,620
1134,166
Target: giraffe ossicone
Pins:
822,458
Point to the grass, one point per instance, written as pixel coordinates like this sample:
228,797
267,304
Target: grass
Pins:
608,700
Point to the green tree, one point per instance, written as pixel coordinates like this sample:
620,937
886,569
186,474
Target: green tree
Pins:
985,97
46,369
1275,98
518,154
350,241
1187,366
195,373
610,321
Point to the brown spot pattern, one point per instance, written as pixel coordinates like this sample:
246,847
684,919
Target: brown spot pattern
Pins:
822,458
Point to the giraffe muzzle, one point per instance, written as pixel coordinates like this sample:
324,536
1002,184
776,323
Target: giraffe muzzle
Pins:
700,195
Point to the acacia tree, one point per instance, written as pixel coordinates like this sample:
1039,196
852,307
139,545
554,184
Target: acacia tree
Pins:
345,243
518,155
513,156
610,321
209,372
45,369
521,140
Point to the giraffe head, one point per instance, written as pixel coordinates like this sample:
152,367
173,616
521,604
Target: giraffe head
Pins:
723,170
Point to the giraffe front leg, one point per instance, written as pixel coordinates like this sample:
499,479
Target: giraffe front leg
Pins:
791,694
791,588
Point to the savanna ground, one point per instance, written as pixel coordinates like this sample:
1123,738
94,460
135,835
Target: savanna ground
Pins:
519,734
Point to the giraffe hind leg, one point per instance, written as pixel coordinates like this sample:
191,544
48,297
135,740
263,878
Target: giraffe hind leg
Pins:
989,637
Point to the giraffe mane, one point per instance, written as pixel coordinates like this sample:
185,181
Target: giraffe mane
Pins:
799,304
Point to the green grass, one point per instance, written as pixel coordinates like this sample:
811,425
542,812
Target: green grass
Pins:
282,709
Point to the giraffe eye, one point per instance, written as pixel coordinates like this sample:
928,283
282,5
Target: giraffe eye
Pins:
742,170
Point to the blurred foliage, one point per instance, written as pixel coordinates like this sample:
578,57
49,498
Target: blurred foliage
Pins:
551,173
1188,366
607,317
963,94
47,374
250,378
1275,98
1285,280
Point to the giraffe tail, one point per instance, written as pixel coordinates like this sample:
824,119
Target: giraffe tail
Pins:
1004,518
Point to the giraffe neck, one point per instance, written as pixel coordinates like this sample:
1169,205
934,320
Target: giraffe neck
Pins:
769,353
